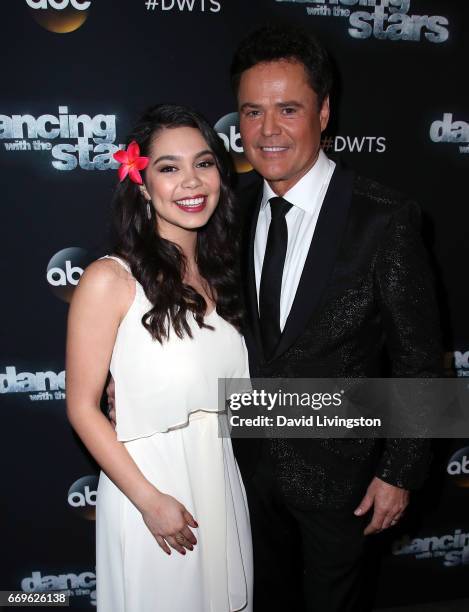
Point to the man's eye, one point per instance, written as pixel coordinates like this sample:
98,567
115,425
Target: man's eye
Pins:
253,113
289,110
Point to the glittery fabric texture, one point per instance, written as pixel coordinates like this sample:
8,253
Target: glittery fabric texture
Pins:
378,307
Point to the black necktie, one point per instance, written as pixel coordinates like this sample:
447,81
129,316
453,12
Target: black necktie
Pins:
271,277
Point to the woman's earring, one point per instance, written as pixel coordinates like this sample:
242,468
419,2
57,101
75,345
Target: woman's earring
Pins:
149,210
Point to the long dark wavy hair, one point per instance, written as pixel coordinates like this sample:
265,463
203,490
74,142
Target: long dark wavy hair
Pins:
159,264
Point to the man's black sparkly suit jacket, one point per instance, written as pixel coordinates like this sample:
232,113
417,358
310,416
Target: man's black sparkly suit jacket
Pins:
366,289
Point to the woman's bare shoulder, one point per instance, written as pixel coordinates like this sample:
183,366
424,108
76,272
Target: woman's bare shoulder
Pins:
107,279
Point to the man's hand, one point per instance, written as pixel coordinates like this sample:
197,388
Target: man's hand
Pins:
111,401
389,504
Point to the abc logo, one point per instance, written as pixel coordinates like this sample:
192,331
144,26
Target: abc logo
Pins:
458,467
60,16
228,129
82,497
64,271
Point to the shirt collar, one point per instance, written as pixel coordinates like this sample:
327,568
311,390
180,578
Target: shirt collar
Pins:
305,193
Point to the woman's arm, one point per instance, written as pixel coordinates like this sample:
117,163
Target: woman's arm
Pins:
101,299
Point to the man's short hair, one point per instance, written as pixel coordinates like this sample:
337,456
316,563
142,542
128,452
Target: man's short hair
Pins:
276,42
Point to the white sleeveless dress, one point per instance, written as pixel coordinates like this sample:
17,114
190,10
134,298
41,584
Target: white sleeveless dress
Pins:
168,418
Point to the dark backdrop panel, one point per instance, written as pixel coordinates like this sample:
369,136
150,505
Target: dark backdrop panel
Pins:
393,85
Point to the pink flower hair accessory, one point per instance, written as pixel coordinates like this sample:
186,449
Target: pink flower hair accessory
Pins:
131,163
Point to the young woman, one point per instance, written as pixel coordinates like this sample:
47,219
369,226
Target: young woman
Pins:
163,314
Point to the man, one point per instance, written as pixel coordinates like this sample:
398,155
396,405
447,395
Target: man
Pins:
335,273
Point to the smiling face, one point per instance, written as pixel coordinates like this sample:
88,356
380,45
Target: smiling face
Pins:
181,180
280,121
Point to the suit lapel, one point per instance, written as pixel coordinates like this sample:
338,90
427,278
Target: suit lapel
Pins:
253,336
320,259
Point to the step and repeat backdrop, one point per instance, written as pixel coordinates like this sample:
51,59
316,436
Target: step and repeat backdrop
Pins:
75,75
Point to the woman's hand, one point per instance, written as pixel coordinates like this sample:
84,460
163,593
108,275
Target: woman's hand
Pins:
169,521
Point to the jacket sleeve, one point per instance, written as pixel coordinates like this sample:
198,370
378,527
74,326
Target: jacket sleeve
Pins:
412,332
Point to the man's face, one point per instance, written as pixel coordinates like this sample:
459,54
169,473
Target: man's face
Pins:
280,122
